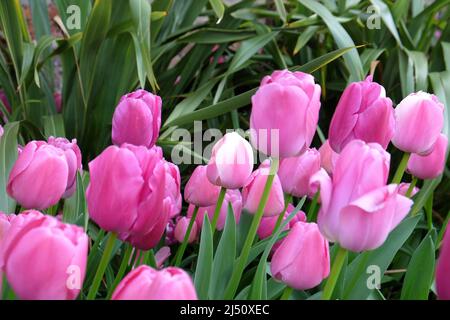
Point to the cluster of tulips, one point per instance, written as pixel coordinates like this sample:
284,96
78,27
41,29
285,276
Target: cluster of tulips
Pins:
135,194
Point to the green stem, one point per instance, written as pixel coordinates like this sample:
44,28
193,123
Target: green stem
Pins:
242,260
312,214
334,274
150,259
122,269
429,211
102,266
286,293
401,168
411,187
287,200
222,193
183,246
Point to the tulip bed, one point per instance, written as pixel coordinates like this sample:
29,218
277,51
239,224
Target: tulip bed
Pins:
209,149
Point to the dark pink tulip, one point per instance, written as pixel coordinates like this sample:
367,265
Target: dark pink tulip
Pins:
173,193
145,283
328,157
357,209
363,113
44,258
231,162
295,172
302,260
137,119
199,191
181,229
288,102
39,177
58,101
419,120
253,190
443,269
432,165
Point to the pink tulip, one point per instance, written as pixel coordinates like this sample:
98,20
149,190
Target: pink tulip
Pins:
432,165
267,225
44,258
145,283
161,256
363,113
58,101
295,172
199,191
285,112
137,119
39,177
173,193
231,162
231,196
404,187
5,223
328,157
443,269
181,229
302,260
357,209
253,190
73,157
419,121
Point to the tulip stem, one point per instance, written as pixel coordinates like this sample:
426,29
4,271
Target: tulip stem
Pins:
222,193
242,260
401,168
102,266
122,269
334,274
287,200
183,246
286,293
312,216
411,187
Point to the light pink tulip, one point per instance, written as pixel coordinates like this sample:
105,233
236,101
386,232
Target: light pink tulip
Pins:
39,177
302,260
44,258
181,229
432,165
419,120
328,157
295,172
199,191
267,225
253,190
145,283
363,113
357,209
285,112
231,162
137,119
443,269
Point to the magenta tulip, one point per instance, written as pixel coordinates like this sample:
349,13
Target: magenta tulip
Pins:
302,260
253,190
295,172
181,229
432,165
58,101
137,119
199,191
419,120
285,112
231,162
44,258
328,157
363,113
40,176
145,283
443,269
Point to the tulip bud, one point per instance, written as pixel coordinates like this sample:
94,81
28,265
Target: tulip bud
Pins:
39,177
295,172
432,165
145,283
58,101
285,112
404,187
302,260
253,190
363,113
40,239
161,256
181,229
137,119
199,191
328,157
443,269
419,120
231,162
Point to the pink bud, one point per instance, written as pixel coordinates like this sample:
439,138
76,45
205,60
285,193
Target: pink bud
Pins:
145,283
199,191
404,187
419,120
37,239
231,162
328,157
161,256
253,190
182,227
285,112
302,260
431,165
137,119
443,269
363,113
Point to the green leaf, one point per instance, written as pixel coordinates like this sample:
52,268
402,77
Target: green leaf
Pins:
202,277
420,62
386,16
219,9
75,207
215,36
8,156
304,37
279,5
54,126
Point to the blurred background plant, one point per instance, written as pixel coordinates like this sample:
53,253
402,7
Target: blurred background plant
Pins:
205,58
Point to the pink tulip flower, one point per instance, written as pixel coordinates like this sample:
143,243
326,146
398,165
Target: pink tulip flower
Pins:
199,191
443,269
181,229
328,157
